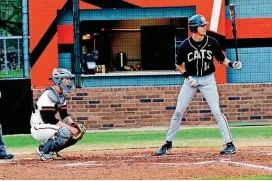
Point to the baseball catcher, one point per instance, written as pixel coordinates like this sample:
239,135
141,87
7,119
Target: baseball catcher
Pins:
55,134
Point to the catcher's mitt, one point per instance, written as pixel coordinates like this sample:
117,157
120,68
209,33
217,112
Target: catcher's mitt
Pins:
81,130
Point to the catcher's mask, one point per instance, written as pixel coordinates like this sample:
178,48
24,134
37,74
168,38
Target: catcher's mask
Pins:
58,75
196,21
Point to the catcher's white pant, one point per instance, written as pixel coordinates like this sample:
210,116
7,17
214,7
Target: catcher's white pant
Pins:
207,86
39,130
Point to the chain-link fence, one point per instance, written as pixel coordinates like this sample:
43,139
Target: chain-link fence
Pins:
10,39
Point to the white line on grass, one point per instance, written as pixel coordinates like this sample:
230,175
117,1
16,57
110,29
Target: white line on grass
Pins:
248,165
6,161
94,163
16,159
91,163
180,164
25,159
135,156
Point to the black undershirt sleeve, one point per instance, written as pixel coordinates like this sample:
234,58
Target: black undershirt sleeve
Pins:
48,116
63,112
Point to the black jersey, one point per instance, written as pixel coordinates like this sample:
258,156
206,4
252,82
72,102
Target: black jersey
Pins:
197,57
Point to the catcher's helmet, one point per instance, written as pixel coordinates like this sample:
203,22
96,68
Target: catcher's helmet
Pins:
58,74
196,21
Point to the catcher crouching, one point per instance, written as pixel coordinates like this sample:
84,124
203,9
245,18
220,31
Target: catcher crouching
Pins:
55,134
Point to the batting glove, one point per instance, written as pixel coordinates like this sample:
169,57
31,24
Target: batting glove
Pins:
237,65
192,81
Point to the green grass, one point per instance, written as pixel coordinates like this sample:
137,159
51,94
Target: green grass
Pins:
197,137
263,177
11,74
241,124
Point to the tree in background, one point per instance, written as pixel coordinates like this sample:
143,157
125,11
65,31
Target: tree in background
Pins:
10,18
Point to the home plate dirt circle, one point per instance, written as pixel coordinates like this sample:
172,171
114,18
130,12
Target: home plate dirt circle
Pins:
139,164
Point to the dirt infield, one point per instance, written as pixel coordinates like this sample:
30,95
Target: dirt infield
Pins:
140,164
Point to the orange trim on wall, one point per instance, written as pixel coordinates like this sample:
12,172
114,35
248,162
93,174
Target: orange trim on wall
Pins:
222,20
41,16
65,34
84,5
43,68
250,28
201,8
220,73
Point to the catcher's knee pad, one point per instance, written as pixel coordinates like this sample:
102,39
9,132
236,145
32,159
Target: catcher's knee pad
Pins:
58,141
62,136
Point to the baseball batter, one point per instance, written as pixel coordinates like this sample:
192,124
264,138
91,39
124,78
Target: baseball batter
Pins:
54,133
195,61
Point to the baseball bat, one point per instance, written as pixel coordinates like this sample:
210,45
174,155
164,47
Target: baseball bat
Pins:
234,27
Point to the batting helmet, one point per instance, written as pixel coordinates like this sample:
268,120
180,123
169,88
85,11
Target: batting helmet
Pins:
196,21
58,74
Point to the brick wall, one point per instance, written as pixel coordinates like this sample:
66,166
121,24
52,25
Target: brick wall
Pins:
104,108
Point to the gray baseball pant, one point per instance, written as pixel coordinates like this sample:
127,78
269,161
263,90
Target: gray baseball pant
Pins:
207,86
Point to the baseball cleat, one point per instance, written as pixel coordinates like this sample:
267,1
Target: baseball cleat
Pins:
57,155
230,149
164,149
6,156
44,156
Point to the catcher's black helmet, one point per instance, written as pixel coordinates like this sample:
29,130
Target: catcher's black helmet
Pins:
196,21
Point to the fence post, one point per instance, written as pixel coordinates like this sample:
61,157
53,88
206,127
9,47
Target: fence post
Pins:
76,43
18,55
5,55
25,38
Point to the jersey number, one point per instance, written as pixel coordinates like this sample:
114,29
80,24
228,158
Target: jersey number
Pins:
206,65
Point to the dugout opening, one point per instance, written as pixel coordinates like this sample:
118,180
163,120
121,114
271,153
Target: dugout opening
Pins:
134,45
